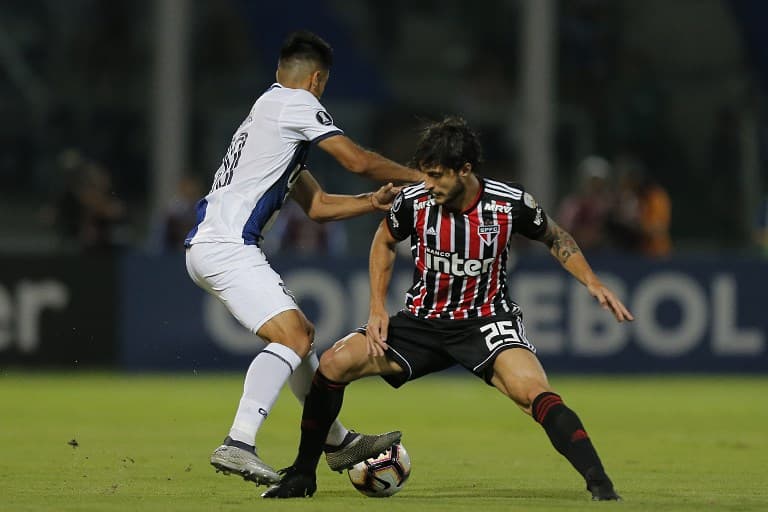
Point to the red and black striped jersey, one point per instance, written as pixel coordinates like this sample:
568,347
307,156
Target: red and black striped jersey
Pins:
461,257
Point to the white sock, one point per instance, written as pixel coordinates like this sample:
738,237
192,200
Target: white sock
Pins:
300,382
263,381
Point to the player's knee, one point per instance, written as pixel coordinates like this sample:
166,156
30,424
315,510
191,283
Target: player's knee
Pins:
335,365
310,331
330,365
300,342
304,345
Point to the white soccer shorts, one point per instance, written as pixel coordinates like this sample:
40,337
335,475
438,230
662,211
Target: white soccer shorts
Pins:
240,276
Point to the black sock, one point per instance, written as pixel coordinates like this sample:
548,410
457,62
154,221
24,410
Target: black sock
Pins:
568,435
321,407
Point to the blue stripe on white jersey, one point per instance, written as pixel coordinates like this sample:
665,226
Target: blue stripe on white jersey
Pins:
200,208
270,203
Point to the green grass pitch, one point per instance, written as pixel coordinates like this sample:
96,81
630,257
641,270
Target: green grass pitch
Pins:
670,444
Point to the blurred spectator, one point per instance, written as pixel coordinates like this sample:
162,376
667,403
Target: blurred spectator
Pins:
624,223
296,234
655,218
86,214
584,213
641,217
172,225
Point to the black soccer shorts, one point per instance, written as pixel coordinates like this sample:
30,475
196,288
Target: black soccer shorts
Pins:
423,346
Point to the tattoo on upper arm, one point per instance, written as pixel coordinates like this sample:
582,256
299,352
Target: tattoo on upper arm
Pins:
559,241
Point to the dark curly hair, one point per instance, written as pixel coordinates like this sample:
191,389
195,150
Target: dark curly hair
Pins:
449,143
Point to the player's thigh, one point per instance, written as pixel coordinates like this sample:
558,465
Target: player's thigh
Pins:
242,279
348,360
518,374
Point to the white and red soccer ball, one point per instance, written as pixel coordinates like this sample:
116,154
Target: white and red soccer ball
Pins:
382,476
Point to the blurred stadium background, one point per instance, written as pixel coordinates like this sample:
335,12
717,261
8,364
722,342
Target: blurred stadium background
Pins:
117,114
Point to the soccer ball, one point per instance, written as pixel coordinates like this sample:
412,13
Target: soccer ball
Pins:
382,476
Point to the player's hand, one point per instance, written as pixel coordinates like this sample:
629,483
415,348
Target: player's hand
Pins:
376,333
610,302
382,198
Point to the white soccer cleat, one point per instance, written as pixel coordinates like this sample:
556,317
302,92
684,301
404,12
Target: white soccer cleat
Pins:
231,459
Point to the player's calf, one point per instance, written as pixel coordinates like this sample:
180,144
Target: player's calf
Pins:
570,439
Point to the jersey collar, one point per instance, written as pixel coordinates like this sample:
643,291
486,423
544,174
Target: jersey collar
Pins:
480,191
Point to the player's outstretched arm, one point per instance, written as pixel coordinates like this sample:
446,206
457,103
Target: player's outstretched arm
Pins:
565,250
323,207
380,264
368,163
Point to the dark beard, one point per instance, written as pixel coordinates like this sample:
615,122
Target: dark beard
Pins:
454,197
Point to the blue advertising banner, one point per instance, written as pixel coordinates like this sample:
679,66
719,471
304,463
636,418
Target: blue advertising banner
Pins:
692,315
58,311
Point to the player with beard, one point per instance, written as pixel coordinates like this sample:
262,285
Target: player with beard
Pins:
457,311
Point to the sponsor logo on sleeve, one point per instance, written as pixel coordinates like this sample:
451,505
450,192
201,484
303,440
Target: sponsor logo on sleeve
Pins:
398,203
529,201
393,220
324,118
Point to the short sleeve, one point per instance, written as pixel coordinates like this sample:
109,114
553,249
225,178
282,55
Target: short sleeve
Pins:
531,221
306,119
400,218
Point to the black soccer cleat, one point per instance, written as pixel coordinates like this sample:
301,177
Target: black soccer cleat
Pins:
293,484
604,493
359,447
601,488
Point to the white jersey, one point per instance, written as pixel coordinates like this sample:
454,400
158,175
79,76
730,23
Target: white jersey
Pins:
259,169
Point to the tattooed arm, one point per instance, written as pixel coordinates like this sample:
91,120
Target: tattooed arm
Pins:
565,250
561,245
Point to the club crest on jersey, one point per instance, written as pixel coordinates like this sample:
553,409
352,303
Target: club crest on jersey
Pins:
324,118
488,233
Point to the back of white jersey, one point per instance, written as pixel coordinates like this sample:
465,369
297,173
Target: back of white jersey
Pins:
257,173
